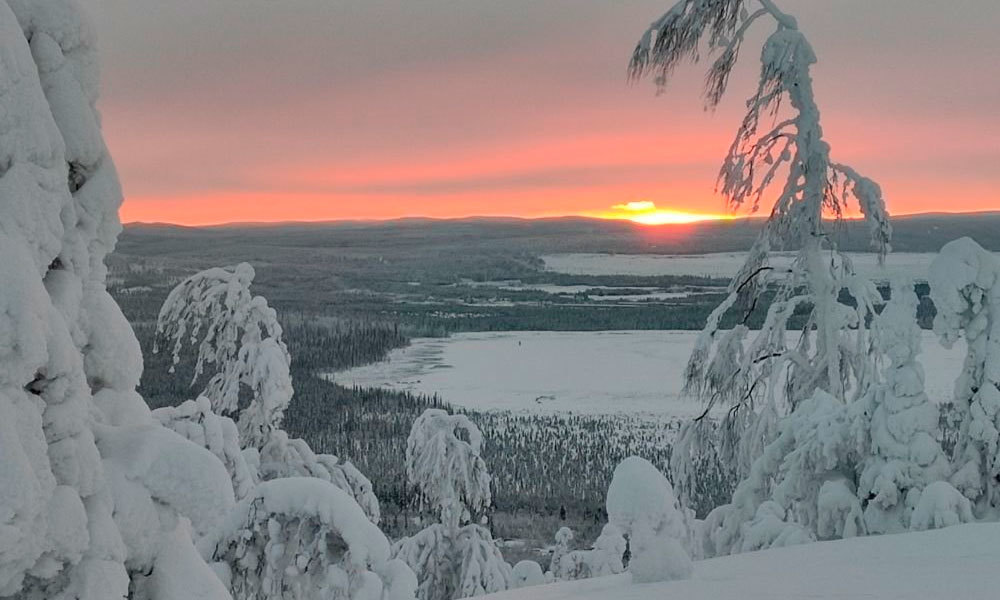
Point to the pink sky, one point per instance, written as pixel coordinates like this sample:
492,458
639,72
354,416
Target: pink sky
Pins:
311,110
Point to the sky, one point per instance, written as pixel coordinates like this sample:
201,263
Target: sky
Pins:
280,110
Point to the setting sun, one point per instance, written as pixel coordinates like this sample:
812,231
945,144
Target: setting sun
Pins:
647,213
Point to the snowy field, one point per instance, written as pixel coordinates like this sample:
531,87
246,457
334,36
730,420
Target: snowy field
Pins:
957,562
721,265
603,372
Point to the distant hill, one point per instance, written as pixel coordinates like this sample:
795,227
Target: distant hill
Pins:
921,233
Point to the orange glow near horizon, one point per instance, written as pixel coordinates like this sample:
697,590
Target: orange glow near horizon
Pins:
646,212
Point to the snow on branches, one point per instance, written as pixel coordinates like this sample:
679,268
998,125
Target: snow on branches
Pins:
965,287
763,375
239,333
813,186
443,462
453,558
96,499
300,538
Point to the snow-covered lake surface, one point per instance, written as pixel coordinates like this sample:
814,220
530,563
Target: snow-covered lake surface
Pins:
722,265
604,372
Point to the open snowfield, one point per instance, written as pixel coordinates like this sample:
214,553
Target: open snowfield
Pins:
958,562
603,372
723,265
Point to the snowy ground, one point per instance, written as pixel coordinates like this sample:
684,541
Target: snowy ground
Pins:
959,562
722,265
604,372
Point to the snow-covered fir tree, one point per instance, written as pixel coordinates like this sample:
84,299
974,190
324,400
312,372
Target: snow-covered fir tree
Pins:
454,557
896,423
641,504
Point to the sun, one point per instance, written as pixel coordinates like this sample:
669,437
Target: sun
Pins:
647,213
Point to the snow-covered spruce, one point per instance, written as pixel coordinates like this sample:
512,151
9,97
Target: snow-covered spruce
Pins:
300,538
239,333
452,558
641,504
760,373
965,288
896,424
94,495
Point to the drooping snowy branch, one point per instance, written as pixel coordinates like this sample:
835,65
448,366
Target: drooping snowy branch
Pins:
239,334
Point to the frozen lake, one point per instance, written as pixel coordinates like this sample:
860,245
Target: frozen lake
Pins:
722,265
605,372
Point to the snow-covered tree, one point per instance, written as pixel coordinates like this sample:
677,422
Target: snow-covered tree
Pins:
238,333
97,500
896,422
641,504
564,537
452,558
747,371
301,538
965,288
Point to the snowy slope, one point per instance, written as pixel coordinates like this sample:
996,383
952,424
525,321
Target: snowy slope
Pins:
958,562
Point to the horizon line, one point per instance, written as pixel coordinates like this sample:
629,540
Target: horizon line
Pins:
473,217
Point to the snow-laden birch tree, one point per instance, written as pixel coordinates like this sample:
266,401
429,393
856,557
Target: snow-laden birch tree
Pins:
239,334
453,558
758,375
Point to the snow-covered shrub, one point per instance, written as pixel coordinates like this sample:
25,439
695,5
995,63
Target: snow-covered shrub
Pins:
97,500
604,557
300,538
641,504
965,288
940,505
526,574
759,374
239,334
452,558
